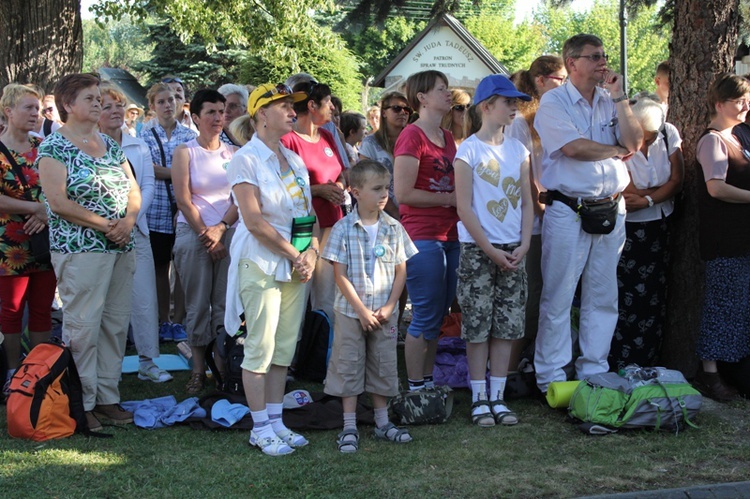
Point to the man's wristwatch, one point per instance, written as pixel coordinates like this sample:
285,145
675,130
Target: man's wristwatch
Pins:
650,201
226,225
620,98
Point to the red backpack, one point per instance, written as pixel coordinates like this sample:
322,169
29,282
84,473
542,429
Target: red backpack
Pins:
46,399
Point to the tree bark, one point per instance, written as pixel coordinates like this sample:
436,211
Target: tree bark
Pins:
40,41
704,40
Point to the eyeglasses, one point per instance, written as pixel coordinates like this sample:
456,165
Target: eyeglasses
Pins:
172,80
460,108
561,79
741,102
280,89
594,57
400,109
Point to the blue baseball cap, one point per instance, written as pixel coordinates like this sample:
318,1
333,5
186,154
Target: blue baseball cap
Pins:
497,85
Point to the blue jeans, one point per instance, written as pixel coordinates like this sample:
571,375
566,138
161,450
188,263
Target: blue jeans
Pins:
431,282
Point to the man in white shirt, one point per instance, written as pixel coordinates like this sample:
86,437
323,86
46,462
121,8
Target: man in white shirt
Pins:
586,131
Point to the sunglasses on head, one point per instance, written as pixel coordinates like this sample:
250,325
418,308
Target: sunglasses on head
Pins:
280,89
460,107
173,80
400,109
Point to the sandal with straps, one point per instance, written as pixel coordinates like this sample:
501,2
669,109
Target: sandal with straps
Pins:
393,433
483,418
504,416
195,384
348,441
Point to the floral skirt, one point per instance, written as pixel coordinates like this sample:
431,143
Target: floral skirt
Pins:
725,324
642,287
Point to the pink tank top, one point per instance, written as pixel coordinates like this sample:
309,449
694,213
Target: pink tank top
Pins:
209,187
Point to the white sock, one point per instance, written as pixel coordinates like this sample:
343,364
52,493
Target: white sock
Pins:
261,424
350,420
497,387
478,389
428,381
381,417
274,415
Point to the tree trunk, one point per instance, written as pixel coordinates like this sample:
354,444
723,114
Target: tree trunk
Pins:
40,41
703,44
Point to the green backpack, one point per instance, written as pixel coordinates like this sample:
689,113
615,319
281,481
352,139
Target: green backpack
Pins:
665,400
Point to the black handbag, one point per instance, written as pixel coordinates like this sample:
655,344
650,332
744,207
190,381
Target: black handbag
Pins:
599,218
39,242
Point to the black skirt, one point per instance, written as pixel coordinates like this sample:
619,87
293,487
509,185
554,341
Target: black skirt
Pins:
642,286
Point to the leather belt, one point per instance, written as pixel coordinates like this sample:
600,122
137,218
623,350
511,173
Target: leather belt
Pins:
573,203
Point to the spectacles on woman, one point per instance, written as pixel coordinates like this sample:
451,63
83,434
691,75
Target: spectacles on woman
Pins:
400,109
460,107
561,79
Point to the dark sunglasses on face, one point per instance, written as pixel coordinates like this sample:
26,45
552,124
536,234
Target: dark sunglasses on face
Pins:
400,109
460,107
594,57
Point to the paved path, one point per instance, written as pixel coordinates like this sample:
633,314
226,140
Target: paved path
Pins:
736,490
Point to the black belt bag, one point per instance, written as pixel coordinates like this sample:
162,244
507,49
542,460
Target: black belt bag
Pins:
598,216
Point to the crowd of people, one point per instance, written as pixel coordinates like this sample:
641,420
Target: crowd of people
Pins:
544,190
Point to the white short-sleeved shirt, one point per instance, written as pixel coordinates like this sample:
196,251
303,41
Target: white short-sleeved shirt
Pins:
519,129
564,116
496,188
257,165
654,171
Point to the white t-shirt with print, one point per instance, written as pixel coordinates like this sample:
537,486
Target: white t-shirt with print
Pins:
496,188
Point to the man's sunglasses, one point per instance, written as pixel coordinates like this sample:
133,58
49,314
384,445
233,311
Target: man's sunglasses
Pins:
594,57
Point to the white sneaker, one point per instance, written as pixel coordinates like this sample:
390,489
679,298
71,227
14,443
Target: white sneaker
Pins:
271,446
153,373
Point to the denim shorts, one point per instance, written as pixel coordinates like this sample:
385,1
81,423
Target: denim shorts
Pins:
431,282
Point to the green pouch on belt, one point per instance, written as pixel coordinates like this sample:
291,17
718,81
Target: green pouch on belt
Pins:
302,230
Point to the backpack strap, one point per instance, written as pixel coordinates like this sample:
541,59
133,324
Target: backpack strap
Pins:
666,140
211,363
167,182
16,170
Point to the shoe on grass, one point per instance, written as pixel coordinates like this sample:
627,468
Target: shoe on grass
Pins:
196,383
178,333
113,414
92,422
152,372
292,439
271,446
165,332
712,386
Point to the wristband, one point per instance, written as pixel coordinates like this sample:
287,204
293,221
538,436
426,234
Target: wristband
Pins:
317,253
650,201
620,98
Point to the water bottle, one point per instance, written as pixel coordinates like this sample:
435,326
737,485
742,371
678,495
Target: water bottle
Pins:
346,206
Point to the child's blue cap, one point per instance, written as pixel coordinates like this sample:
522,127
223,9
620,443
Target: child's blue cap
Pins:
497,85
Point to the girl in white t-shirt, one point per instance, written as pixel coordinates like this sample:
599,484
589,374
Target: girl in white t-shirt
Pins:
493,198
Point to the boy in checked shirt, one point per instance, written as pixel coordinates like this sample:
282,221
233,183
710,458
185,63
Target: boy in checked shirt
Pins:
368,250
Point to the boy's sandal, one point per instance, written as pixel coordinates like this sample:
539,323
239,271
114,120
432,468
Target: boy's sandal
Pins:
196,383
483,418
348,441
393,433
504,417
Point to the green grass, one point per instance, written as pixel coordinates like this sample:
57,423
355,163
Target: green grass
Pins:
542,456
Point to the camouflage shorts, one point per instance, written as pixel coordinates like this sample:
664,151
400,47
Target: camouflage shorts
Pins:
493,303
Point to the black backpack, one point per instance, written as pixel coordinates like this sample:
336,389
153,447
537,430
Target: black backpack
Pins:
232,351
314,349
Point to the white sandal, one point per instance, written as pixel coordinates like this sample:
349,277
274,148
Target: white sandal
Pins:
271,446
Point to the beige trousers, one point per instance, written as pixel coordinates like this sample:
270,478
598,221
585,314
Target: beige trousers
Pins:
95,289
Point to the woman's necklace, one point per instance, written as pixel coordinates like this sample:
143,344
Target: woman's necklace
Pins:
80,136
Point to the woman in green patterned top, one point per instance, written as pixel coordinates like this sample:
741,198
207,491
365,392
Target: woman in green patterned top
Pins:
92,201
